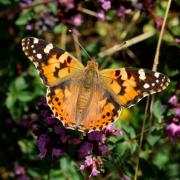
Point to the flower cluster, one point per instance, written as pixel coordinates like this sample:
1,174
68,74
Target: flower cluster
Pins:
19,173
173,128
54,140
69,12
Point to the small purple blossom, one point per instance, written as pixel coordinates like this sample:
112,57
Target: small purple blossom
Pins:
61,133
69,4
91,163
20,173
177,40
88,161
76,20
173,131
85,149
19,170
138,6
103,149
42,143
75,141
173,128
106,4
121,11
57,152
51,121
94,172
177,112
95,136
173,100
101,15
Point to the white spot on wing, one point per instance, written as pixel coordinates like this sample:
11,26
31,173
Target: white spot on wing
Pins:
48,48
146,86
36,40
156,74
39,56
142,75
153,84
157,81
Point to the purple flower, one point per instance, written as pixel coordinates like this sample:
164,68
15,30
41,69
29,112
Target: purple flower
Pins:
89,161
51,121
42,143
76,20
57,152
101,15
177,112
111,131
69,4
82,167
118,132
173,131
19,170
23,177
138,6
75,141
106,4
173,100
158,22
61,133
121,11
94,172
103,149
85,149
177,40
95,136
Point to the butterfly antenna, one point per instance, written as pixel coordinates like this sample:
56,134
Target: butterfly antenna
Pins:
80,45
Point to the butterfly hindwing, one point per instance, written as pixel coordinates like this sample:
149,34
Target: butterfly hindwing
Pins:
129,85
53,64
102,110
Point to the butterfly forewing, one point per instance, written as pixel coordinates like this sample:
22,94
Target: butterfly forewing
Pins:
130,85
53,63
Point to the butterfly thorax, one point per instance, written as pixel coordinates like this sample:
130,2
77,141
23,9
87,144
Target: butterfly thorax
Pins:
86,91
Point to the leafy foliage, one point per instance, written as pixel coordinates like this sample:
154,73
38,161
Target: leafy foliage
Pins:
32,145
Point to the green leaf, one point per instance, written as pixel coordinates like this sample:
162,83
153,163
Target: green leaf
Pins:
153,139
24,18
5,2
39,8
26,146
10,101
158,110
161,159
25,96
53,7
33,172
60,28
20,84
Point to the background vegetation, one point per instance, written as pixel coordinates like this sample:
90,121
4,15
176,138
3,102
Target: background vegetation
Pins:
33,144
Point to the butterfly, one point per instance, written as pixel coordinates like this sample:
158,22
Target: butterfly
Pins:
83,97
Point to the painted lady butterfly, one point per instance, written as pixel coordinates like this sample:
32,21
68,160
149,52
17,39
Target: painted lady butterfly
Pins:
86,98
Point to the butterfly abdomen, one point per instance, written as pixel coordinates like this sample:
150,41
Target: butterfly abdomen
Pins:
86,92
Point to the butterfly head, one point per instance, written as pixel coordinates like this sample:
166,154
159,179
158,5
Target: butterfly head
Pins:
92,64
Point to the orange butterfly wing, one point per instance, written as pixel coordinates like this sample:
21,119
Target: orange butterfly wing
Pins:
102,110
54,64
130,85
